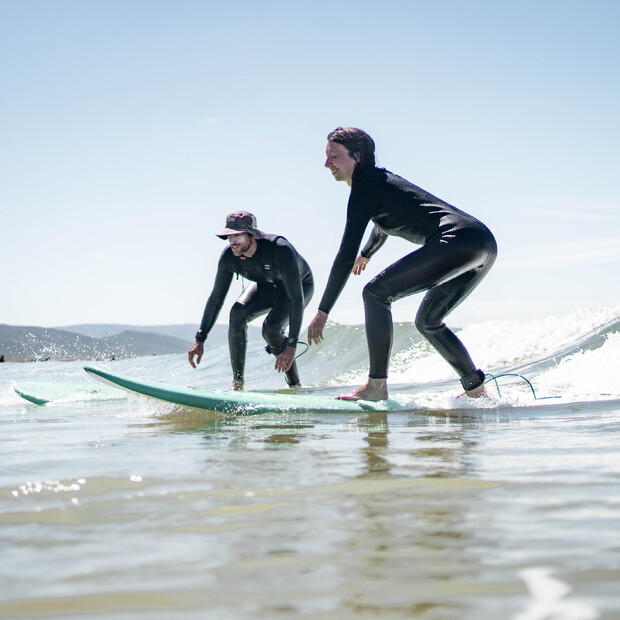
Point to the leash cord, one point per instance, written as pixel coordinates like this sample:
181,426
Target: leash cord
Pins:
305,344
509,374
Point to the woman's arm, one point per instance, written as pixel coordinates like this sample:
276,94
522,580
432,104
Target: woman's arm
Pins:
357,220
375,241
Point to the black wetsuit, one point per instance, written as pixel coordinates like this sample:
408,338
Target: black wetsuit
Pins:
457,253
282,285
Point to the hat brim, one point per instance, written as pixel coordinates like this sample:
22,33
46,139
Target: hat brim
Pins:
224,234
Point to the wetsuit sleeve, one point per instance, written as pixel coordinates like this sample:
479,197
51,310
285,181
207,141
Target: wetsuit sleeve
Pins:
375,241
291,281
357,220
216,300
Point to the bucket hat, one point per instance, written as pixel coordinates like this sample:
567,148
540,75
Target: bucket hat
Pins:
240,222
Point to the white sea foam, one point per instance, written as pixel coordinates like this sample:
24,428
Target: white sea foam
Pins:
587,373
574,356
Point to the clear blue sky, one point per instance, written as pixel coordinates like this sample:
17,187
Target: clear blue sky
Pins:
130,128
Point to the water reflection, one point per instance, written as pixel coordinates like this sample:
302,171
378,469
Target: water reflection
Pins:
417,533
377,446
390,444
415,445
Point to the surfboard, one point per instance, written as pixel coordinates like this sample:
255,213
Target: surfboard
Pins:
43,392
238,402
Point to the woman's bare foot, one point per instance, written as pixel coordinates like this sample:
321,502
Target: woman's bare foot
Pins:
237,385
374,389
479,392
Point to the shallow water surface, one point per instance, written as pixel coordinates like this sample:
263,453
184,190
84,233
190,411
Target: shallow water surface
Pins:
133,509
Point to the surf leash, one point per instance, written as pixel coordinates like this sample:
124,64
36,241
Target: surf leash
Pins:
268,349
305,344
494,378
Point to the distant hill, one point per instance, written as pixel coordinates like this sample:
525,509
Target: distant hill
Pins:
88,342
186,332
105,330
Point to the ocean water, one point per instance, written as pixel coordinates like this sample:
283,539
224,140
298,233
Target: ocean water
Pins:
116,506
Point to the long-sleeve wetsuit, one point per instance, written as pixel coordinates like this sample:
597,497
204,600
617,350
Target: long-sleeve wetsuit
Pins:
282,285
457,252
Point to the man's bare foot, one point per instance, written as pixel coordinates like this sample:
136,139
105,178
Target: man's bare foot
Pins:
374,389
479,392
237,385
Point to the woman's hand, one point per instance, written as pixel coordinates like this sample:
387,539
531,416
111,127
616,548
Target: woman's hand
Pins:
359,265
315,329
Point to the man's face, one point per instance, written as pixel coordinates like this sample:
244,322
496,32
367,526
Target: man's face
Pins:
240,243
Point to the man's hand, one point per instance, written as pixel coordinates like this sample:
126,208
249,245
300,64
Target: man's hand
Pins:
285,360
197,350
315,329
359,265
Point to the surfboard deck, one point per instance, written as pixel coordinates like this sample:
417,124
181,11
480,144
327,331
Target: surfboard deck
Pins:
43,392
238,402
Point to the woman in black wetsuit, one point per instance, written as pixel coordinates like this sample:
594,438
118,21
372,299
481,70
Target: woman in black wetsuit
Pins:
457,252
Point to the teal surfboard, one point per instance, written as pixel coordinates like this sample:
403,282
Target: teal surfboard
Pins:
43,392
238,401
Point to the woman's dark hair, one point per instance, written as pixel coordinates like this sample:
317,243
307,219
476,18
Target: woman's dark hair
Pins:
360,146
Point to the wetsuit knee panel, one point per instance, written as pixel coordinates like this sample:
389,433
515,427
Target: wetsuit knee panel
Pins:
238,315
425,324
375,290
273,332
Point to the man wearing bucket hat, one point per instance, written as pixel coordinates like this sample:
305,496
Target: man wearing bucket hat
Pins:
282,285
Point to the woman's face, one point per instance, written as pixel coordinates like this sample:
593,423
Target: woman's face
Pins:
340,162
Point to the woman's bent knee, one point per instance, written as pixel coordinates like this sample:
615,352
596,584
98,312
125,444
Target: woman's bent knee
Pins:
374,292
422,323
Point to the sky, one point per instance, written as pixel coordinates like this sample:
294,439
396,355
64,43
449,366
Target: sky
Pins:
130,128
